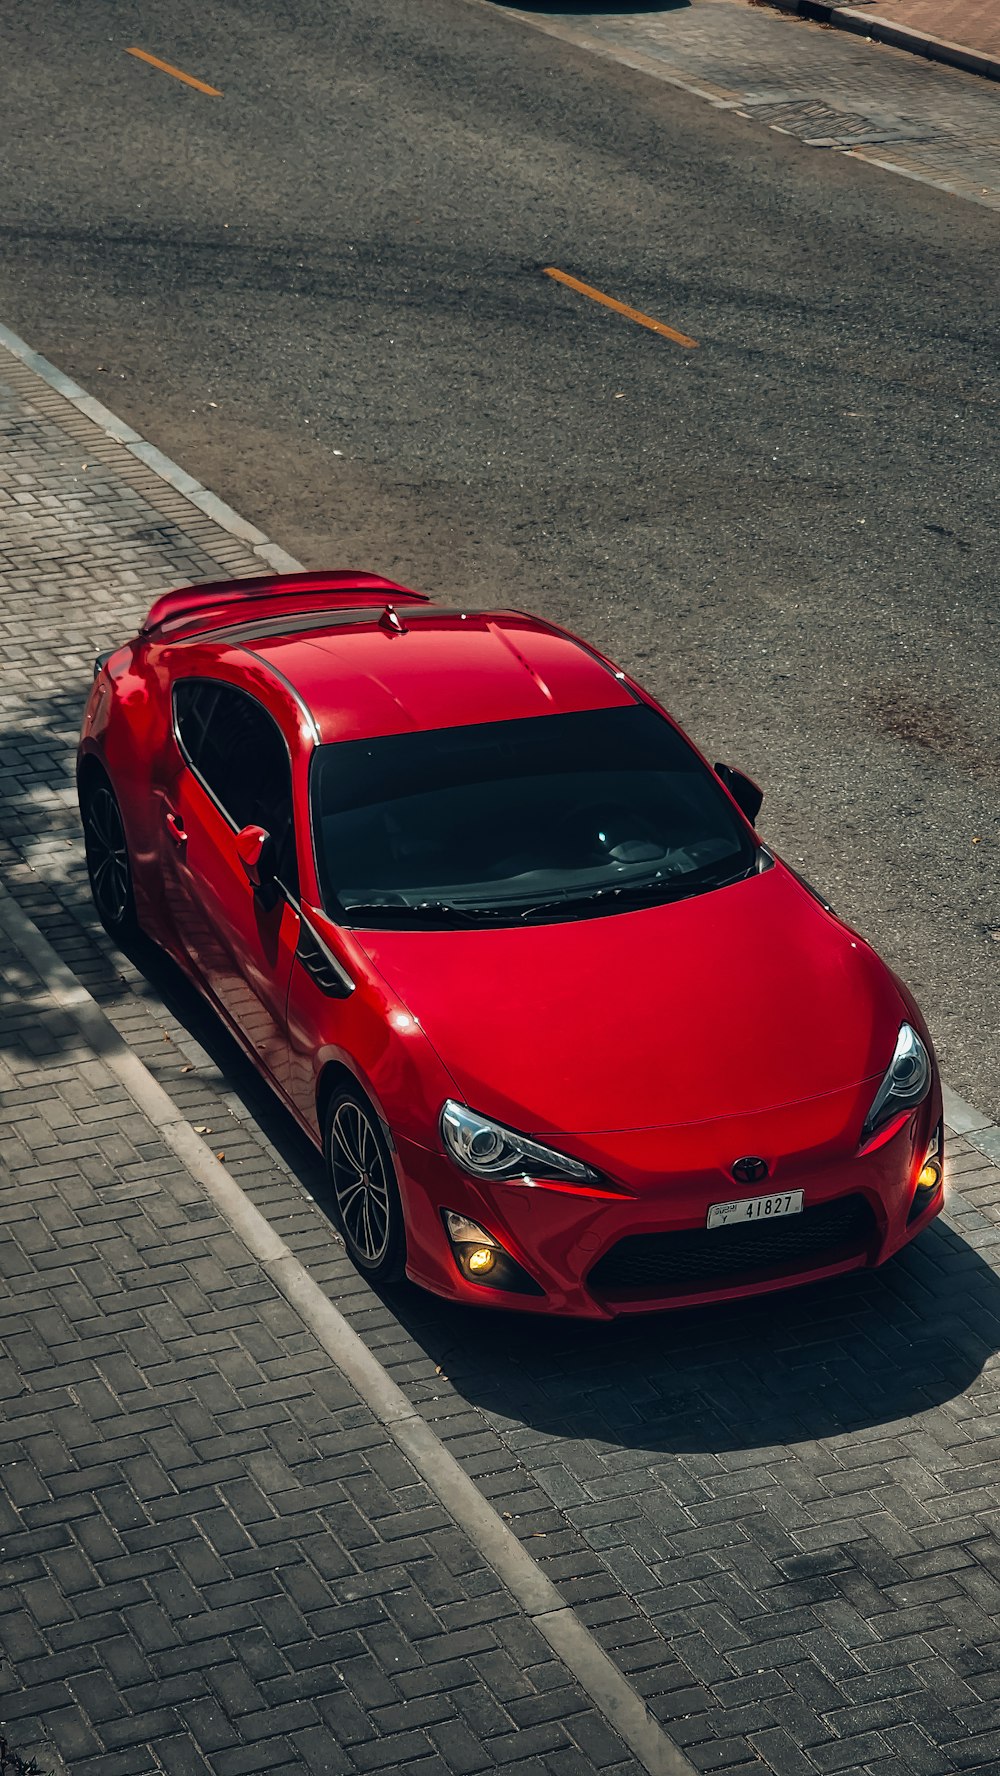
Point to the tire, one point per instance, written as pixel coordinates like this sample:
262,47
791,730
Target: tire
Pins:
362,1181
108,864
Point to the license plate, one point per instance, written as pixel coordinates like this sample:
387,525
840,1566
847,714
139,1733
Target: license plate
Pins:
755,1208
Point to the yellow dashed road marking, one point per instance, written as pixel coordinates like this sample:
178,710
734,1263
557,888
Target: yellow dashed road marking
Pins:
178,73
622,308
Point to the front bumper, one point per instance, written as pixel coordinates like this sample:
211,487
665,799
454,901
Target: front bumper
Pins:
599,1257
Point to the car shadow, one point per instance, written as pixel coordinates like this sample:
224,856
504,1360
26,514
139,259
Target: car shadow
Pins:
871,1349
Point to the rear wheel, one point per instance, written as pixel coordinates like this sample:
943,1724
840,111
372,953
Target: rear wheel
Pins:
363,1181
108,864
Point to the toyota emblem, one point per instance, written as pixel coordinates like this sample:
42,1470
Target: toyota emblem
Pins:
749,1171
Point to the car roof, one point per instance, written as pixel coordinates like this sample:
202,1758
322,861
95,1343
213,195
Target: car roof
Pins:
398,668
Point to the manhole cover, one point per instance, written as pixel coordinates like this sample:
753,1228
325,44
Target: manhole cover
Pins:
824,127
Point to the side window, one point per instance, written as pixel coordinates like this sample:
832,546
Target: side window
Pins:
238,752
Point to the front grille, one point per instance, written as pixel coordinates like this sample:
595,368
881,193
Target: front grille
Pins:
696,1258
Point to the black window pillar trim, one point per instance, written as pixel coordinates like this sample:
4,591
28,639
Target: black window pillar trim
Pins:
227,685
322,966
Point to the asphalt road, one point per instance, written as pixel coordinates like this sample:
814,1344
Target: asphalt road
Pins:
322,293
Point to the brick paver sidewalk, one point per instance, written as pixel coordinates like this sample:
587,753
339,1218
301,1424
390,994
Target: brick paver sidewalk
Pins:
779,1519
214,1558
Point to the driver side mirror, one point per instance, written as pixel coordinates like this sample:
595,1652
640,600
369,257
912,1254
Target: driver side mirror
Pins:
256,852
743,789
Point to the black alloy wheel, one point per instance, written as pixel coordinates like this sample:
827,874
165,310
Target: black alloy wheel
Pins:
108,863
363,1181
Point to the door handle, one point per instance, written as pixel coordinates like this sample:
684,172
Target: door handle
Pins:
175,827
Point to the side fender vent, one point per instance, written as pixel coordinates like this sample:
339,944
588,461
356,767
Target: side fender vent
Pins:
322,966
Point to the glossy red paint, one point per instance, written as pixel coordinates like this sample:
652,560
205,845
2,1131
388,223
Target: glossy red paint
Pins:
445,670
709,1008
658,1045
253,845
193,608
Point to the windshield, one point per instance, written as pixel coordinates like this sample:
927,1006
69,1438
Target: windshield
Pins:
558,816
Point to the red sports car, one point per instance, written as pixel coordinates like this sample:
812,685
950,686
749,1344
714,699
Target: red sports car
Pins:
571,1037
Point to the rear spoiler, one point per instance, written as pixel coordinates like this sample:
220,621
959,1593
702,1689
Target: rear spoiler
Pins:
292,591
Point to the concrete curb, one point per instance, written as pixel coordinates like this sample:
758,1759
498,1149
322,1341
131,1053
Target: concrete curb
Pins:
209,504
543,1604
882,30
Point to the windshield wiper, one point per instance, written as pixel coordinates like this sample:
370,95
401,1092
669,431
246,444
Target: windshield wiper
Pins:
393,911
655,892
446,912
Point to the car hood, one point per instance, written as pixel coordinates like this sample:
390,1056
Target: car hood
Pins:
735,1001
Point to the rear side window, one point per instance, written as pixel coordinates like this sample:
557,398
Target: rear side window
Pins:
237,751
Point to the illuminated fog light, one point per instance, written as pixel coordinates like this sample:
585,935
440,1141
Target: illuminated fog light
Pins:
477,1252
929,1175
480,1260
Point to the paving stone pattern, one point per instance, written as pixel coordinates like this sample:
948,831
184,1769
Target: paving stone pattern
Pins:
779,1518
214,1558
830,89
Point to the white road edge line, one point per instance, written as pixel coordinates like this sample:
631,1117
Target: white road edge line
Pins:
569,1639
209,504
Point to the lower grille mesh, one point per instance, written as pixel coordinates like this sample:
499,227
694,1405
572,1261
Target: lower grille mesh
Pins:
695,1258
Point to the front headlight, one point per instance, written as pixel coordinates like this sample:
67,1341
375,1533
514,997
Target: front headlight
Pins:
906,1083
488,1150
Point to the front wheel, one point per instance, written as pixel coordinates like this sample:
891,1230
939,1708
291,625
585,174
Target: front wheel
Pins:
363,1181
108,865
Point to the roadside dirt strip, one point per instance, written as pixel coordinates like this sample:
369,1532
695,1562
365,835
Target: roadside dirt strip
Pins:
259,1517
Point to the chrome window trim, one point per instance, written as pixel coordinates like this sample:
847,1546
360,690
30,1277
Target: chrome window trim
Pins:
300,702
